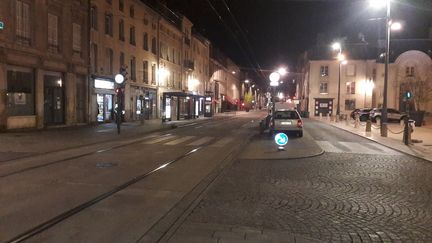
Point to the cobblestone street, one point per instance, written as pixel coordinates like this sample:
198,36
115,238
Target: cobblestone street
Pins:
333,198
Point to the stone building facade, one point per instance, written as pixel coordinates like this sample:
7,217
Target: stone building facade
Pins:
43,63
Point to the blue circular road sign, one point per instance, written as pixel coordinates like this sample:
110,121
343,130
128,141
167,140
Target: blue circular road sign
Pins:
281,139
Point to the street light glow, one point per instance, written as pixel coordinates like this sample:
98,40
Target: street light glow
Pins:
274,77
336,46
377,4
341,57
344,62
282,71
246,81
119,78
396,26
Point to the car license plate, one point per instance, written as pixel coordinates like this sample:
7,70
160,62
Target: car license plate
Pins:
286,123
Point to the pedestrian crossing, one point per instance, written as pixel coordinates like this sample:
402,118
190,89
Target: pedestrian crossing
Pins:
356,148
171,140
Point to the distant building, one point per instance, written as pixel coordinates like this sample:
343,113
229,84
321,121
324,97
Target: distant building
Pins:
409,60
43,63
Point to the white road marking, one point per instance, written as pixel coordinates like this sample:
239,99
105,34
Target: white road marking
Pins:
157,140
358,148
328,147
200,141
385,149
180,140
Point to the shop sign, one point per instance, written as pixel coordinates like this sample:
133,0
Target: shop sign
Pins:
1,25
103,84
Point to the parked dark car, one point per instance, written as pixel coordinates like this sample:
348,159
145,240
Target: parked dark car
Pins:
362,112
392,115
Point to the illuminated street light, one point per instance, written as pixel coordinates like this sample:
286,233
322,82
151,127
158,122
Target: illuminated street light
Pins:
282,71
119,78
274,78
380,4
337,46
246,81
396,26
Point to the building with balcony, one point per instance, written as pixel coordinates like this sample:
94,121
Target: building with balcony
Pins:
43,63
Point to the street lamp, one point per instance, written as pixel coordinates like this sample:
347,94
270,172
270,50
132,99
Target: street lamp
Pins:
389,26
342,61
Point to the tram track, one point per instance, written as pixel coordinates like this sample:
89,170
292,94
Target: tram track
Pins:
81,207
93,152
69,213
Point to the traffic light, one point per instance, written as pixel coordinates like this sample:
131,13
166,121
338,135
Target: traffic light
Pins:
123,71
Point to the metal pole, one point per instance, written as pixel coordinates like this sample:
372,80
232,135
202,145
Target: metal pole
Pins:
338,98
387,59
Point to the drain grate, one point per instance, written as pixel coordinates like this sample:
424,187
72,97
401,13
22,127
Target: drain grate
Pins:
105,165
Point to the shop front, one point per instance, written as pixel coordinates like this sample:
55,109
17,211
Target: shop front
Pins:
145,103
178,106
104,91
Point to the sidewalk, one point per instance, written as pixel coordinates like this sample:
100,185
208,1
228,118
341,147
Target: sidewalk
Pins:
394,140
15,144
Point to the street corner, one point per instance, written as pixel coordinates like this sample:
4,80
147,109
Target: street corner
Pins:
264,147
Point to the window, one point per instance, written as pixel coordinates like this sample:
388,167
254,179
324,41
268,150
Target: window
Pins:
132,35
121,5
22,29
349,105
94,57
53,33
133,68
153,73
324,71
154,47
351,70
121,30
409,72
109,24
132,11
93,18
109,61
323,88
20,93
286,115
350,87
145,72
76,38
145,41
122,59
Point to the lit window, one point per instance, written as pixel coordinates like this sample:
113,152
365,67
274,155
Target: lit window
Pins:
324,71
22,29
53,45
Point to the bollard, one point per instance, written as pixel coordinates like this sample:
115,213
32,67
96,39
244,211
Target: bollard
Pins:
320,116
368,125
406,132
347,122
357,121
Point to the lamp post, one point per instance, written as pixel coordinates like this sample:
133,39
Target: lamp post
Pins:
119,79
379,4
341,58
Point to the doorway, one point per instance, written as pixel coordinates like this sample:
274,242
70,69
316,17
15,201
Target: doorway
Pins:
53,100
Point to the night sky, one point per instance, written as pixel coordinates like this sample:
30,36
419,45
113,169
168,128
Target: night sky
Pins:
275,32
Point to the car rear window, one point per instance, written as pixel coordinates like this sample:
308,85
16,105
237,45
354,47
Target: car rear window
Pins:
286,115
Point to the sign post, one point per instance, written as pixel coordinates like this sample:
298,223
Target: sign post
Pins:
281,139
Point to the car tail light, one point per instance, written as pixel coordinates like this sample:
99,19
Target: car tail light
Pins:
299,123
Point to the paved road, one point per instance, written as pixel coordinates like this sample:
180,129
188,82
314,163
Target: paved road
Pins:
38,189
357,191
